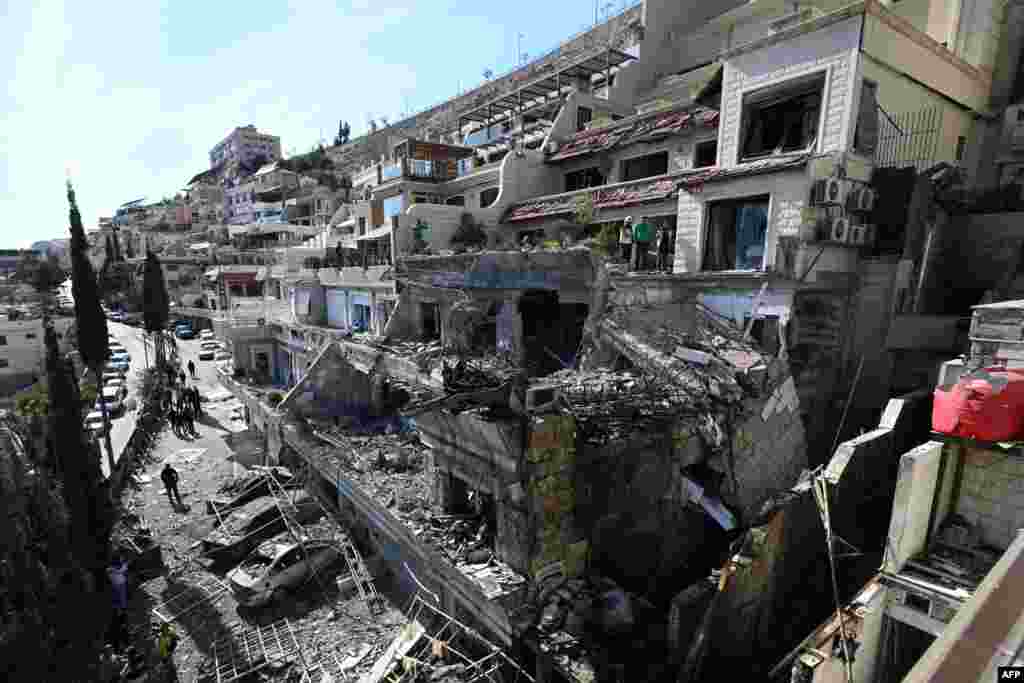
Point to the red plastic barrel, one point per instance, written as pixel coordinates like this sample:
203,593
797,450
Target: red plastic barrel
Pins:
987,406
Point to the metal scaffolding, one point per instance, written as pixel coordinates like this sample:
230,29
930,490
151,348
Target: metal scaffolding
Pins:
210,589
245,650
438,641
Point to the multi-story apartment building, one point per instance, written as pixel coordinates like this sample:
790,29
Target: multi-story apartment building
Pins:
23,351
244,145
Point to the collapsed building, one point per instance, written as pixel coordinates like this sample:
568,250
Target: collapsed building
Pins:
561,462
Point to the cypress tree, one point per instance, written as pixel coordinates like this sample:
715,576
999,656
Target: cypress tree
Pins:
108,251
117,246
91,324
155,302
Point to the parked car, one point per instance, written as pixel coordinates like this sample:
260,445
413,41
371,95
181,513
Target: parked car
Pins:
206,335
121,355
252,523
211,344
112,397
207,354
184,332
116,346
94,423
117,383
119,364
112,374
222,355
274,568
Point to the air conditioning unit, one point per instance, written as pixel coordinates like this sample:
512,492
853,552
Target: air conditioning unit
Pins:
829,192
839,230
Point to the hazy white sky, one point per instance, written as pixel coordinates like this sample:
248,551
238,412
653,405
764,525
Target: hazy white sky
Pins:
128,97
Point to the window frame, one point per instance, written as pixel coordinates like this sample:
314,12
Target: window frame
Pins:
624,164
594,171
706,227
696,152
483,193
5,363
762,96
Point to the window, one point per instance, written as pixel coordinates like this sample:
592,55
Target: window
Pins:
3,340
393,206
783,119
488,197
582,179
584,115
645,167
30,335
456,201
735,236
362,225
4,363
865,137
430,317
706,154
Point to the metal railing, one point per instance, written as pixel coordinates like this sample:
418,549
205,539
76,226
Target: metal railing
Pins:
909,139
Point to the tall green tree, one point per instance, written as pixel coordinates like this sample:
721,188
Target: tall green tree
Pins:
93,341
108,250
155,304
76,460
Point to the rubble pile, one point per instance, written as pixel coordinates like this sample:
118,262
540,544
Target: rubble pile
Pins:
576,621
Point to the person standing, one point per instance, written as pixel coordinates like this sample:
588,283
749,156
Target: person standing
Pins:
169,476
664,246
192,369
181,376
626,239
118,574
197,401
642,236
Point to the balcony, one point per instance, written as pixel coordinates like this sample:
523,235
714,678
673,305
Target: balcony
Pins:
424,169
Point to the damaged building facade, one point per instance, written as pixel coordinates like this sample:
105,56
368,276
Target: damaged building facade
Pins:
606,470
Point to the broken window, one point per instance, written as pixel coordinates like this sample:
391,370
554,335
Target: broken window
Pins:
865,138
488,197
582,179
584,115
645,166
552,331
430,317
735,236
706,154
782,119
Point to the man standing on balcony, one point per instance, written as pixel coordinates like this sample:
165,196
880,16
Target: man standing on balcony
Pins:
626,239
642,234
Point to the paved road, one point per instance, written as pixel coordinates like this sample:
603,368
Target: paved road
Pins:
122,425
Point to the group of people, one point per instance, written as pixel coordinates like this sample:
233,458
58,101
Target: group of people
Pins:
183,406
635,240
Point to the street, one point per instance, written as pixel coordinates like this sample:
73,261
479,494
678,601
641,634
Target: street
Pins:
121,426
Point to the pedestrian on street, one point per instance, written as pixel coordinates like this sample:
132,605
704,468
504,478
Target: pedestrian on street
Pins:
173,416
181,376
169,476
192,369
663,247
198,401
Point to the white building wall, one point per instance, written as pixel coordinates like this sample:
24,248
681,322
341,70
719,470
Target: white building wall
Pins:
789,192
833,50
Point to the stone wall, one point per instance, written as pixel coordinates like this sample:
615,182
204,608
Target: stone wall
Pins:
991,495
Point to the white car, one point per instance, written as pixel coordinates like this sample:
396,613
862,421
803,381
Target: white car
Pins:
222,355
94,423
112,374
117,383
112,397
116,365
276,567
206,335
211,345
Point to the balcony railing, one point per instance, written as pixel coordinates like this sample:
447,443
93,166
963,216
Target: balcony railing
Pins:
420,169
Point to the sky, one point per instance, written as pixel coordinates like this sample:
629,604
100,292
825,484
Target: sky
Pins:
127,98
